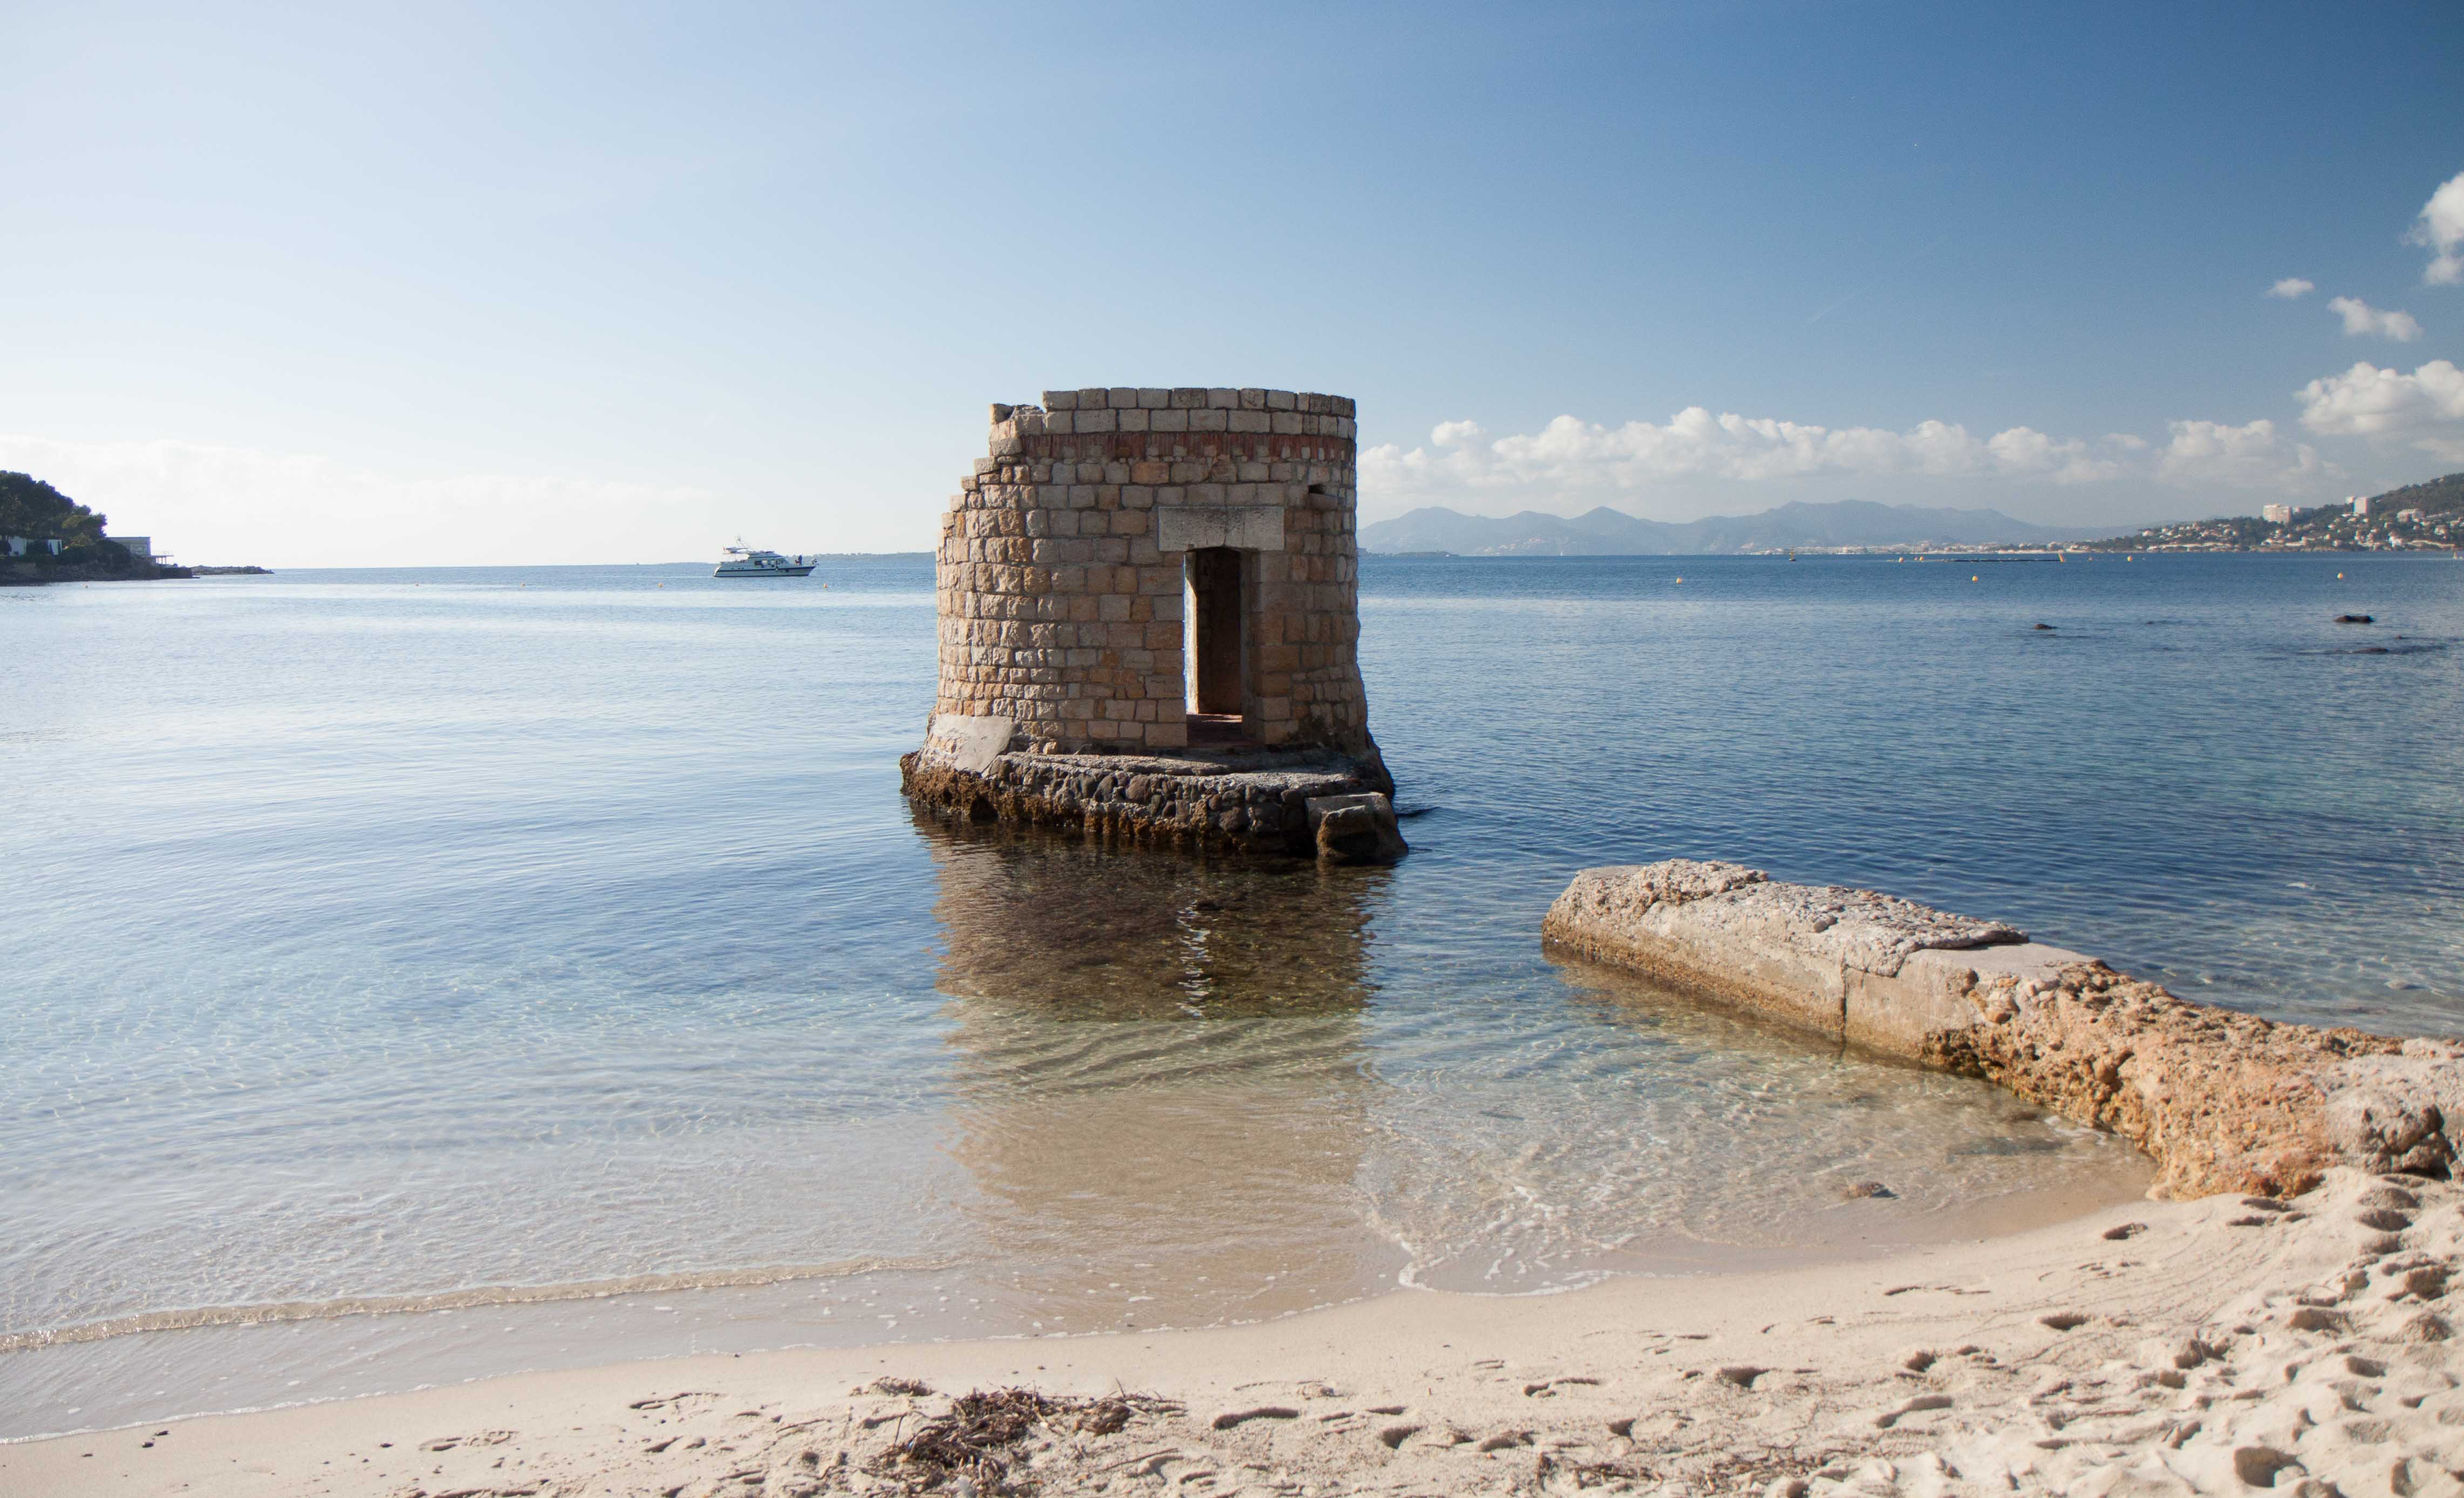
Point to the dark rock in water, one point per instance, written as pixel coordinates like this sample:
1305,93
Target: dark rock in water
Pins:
2355,619
1865,1189
1356,828
2044,627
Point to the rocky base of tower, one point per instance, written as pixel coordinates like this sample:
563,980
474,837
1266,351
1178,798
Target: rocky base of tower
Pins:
1297,802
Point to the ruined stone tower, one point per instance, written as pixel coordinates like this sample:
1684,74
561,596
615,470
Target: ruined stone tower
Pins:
1124,559
1169,574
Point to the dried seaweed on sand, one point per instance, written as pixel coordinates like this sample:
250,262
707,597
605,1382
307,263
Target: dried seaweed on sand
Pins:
978,1438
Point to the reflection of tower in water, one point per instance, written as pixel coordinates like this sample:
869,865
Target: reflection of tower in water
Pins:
1160,1082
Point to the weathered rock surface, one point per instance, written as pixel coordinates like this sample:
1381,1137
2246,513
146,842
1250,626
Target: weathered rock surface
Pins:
1264,801
1852,964
2223,1101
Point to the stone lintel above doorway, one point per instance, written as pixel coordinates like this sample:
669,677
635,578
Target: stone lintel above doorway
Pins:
1245,527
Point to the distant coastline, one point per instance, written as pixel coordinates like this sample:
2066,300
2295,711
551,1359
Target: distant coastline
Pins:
2427,517
1846,524
28,574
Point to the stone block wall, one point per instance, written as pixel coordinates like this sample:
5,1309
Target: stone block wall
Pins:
1061,565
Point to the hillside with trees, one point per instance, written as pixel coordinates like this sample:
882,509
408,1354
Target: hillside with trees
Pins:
34,509
2425,517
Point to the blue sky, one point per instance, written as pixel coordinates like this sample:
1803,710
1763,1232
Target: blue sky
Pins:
541,283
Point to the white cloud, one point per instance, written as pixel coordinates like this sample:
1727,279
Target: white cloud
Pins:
206,503
2440,230
1728,446
2209,453
2025,451
1570,456
1694,443
2291,286
2360,318
2426,406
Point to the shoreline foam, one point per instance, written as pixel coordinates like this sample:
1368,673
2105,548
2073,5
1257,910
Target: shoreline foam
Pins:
188,1318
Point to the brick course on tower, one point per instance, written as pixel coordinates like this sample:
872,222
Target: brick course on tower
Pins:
1064,569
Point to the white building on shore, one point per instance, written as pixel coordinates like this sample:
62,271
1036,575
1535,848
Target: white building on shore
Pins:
2275,514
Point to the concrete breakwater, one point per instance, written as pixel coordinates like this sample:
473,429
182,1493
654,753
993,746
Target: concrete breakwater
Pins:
2222,1101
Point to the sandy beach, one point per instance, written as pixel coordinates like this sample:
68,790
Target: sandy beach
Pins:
2157,1347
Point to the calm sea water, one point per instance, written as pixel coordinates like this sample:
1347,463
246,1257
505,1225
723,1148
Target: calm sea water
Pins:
543,963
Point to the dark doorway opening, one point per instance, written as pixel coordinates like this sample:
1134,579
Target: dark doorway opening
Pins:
1214,641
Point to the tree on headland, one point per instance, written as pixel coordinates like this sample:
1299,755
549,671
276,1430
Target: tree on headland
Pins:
31,507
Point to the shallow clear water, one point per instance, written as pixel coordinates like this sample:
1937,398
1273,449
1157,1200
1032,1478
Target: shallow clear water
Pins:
551,949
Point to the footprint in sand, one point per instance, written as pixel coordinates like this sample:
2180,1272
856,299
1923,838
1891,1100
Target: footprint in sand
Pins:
2423,1282
1231,1418
485,1438
1906,1407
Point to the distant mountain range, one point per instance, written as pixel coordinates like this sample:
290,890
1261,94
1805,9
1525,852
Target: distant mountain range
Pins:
1612,533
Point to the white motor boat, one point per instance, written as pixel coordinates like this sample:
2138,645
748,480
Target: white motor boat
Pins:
751,562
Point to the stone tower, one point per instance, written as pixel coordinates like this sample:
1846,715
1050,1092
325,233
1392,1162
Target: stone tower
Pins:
1170,574
1125,560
